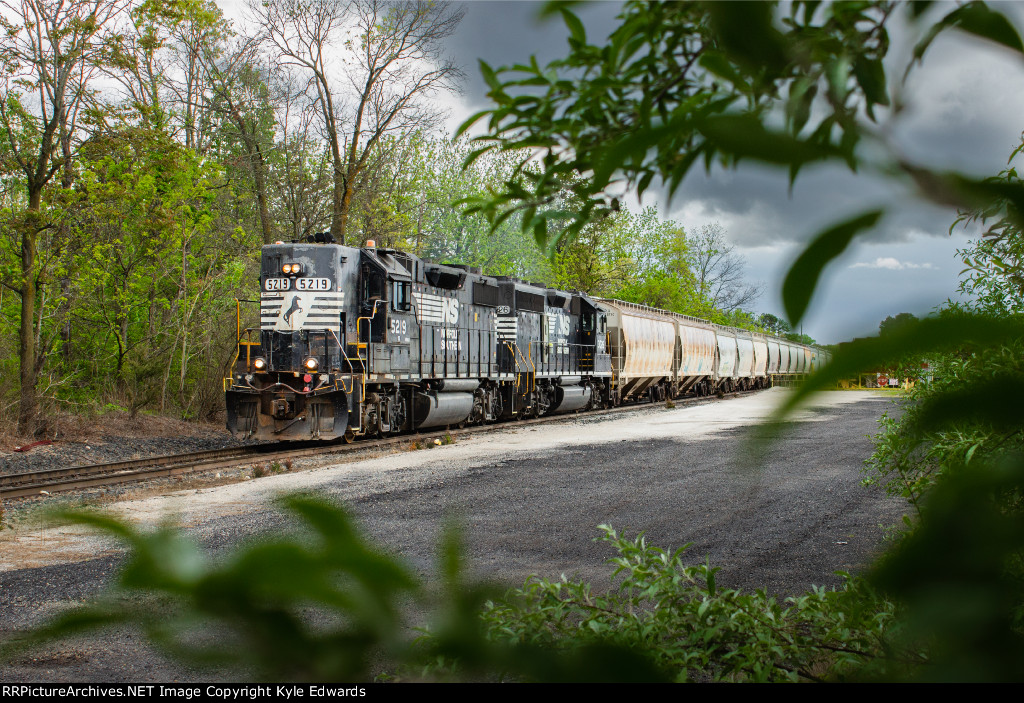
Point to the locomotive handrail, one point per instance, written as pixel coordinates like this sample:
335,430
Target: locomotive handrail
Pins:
359,345
512,349
516,350
558,366
344,354
533,366
229,380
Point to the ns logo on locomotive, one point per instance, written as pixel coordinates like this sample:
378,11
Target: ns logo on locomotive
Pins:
369,342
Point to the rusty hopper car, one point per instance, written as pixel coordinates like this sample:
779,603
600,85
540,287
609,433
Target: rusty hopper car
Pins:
369,342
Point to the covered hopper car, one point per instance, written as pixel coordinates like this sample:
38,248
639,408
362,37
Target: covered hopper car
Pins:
370,342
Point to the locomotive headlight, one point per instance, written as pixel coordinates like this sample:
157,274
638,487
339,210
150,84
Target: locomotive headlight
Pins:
311,363
259,363
292,269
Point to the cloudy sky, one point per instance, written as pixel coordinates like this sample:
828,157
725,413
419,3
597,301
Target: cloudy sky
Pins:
966,111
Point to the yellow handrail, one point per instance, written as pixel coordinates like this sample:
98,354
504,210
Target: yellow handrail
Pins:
516,350
344,355
228,380
360,345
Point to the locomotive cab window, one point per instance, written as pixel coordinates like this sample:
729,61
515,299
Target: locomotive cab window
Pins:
588,322
374,286
400,296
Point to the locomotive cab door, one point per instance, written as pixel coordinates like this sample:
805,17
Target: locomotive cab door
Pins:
373,300
402,332
388,325
593,338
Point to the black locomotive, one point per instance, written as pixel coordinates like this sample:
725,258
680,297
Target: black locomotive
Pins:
356,342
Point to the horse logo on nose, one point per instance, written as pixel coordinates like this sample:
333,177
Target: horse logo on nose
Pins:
293,308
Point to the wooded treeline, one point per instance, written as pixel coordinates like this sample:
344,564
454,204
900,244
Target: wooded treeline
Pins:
148,149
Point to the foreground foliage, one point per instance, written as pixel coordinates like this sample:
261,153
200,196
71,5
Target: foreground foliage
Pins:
694,629
325,604
320,604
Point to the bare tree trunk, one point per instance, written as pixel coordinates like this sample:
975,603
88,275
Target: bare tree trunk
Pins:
342,199
28,408
260,180
339,214
184,319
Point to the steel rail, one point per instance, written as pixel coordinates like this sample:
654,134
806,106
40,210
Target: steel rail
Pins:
35,483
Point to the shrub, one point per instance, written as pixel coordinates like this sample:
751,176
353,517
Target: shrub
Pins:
676,614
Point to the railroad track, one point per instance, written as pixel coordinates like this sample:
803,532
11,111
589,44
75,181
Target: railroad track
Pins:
36,483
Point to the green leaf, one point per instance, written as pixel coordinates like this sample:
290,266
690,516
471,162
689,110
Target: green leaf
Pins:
977,19
631,147
746,32
468,123
804,273
801,99
745,136
870,76
718,64
576,29
540,233
919,7
475,154
490,77
968,193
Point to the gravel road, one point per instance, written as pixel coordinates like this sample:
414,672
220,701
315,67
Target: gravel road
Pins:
530,499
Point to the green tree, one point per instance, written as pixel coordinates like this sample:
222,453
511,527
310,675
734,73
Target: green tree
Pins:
599,260
800,338
893,323
427,178
773,324
152,266
659,256
47,59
